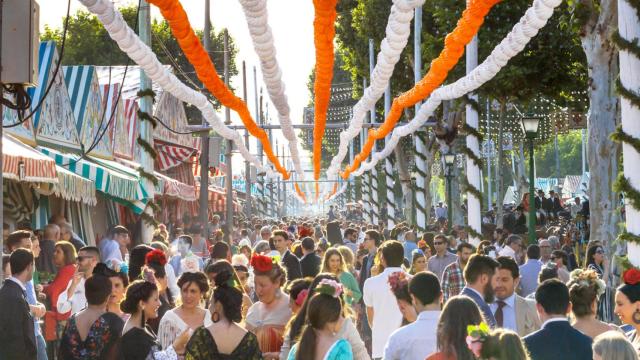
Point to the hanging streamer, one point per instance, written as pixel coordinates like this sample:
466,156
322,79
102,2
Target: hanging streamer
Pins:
397,33
175,15
258,22
466,29
324,31
528,26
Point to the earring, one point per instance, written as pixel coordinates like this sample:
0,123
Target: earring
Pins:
636,316
215,317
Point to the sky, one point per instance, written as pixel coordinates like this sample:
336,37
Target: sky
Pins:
291,22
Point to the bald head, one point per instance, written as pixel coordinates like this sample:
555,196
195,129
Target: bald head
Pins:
52,232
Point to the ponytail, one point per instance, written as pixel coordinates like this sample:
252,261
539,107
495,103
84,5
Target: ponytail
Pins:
307,343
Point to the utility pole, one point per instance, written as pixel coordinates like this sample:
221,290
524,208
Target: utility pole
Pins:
284,188
204,139
422,209
375,209
144,127
388,169
261,182
247,166
227,158
278,193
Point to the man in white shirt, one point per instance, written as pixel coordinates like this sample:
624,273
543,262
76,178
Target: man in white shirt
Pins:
73,298
418,339
510,310
113,248
512,248
383,313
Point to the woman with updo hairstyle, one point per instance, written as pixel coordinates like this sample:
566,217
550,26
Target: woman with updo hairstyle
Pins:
584,290
154,271
319,338
136,261
119,282
190,315
503,344
223,265
101,329
628,304
347,331
224,338
139,342
298,290
268,316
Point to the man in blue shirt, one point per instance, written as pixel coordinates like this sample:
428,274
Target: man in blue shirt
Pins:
529,271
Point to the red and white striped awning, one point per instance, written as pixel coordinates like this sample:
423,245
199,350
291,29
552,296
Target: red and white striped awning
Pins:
171,155
36,167
218,200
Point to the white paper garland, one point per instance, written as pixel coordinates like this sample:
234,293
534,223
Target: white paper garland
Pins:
258,21
140,53
340,191
528,26
397,33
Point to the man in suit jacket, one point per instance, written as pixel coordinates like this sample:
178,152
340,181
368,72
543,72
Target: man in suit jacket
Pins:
310,262
510,310
478,274
17,335
372,239
282,242
556,339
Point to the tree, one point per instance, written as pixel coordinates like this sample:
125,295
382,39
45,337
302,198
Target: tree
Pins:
88,43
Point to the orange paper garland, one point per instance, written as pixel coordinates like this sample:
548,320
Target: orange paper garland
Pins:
323,33
177,18
466,29
300,192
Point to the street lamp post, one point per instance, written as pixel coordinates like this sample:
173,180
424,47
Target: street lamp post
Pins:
449,160
530,129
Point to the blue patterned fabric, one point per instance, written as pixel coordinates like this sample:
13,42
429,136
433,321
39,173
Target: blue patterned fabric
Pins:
341,350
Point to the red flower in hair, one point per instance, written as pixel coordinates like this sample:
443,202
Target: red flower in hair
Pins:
261,263
631,276
155,256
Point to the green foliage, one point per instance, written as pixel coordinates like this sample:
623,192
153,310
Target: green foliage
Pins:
569,151
88,43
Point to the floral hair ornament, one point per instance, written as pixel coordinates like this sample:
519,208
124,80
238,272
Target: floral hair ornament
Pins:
631,276
329,287
476,335
302,296
262,263
398,280
155,256
588,278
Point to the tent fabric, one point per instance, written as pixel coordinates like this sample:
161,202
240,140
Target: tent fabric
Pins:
38,168
168,186
171,155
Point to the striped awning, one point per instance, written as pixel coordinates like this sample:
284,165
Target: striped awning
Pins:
167,186
171,155
23,163
115,181
74,187
218,199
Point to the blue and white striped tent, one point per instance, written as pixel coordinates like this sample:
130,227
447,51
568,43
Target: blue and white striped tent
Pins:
115,181
53,120
88,110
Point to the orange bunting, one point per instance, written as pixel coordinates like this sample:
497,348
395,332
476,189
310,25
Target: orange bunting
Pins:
177,18
300,192
317,191
454,43
323,33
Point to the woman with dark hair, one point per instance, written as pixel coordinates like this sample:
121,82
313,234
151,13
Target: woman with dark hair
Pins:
628,304
399,283
119,283
334,235
139,342
268,317
503,344
584,290
334,263
223,338
223,265
319,338
92,333
298,290
418,262
598,262
458,313
64,258
136,261
154,271
189,315
348,330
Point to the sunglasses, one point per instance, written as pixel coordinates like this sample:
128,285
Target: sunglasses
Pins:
599,251
80,258
552,258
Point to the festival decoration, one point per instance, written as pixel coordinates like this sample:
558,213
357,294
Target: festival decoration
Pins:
174,13
262,263
329,287
302,296
258,22
155,256
396,36
466,29
324,31
476,335
131,44
631,276
528,26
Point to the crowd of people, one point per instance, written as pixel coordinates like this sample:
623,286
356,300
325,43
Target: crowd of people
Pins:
311,288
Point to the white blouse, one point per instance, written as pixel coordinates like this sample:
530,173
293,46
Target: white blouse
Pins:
171,325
